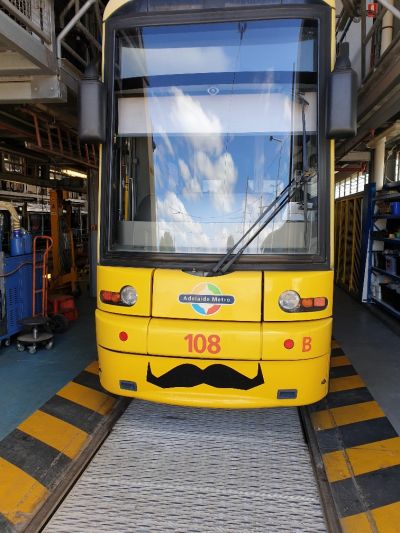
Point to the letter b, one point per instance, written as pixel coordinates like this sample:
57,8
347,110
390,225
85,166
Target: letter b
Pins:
306,344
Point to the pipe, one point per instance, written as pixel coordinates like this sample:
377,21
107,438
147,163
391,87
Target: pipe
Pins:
98,15
15,222
72,23
75,54
387,30
379,163
88,35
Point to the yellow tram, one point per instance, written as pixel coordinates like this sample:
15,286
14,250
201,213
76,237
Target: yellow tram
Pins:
215,263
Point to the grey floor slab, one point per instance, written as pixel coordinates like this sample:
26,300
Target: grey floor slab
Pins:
28,381
374,350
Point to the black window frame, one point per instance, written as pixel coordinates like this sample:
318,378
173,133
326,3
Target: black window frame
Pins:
321,261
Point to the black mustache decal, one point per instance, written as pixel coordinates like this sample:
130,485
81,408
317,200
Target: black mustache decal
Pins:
219,376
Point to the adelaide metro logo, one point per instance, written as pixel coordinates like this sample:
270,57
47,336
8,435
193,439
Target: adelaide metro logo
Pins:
206,299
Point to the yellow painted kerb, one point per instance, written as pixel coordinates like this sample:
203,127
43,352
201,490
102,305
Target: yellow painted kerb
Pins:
20,494
387,518
93,368
362,459
339,360
346,383
347,414
92,399
357,523
54,432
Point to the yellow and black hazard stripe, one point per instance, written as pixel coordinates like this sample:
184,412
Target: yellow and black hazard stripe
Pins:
40,453
360,450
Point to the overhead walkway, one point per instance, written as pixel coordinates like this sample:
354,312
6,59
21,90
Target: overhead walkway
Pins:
41,52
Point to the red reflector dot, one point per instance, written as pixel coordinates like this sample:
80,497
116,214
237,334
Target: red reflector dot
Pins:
123,336
288,344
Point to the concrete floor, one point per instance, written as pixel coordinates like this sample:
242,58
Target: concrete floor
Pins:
373,349
28,381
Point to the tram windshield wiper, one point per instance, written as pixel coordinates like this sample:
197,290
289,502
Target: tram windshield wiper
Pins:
268,214
299,182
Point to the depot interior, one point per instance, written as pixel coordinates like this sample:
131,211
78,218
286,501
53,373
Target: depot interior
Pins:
49,187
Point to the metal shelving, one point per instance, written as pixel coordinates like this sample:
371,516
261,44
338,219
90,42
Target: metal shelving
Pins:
387,240
386,306
385,273
389,197
389,243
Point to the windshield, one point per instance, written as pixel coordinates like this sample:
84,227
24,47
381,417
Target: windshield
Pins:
210,124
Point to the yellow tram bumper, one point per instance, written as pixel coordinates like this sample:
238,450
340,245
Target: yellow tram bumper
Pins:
266,383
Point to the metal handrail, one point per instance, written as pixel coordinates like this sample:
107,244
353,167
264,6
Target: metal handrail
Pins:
390,8
88,35
70,4
78,15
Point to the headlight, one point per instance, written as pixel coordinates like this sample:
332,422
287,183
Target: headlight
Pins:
289,301
128,295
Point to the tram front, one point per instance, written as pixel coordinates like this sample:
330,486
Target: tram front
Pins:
215,278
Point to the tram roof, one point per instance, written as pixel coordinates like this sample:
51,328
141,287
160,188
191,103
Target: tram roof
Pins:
114,5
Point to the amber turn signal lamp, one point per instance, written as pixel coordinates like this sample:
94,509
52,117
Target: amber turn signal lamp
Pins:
109,297
321,301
